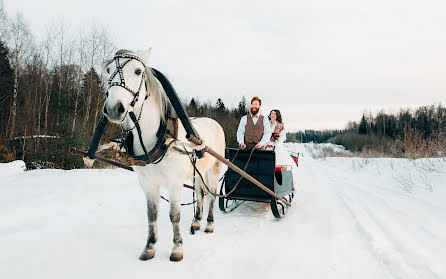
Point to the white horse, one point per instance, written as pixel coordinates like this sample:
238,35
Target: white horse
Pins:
135,78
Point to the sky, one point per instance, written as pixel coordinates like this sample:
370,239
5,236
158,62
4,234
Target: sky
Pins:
322,63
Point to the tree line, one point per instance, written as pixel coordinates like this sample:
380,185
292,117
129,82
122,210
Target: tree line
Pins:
51,94
425,124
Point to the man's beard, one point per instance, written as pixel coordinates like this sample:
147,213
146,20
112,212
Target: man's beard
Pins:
254,111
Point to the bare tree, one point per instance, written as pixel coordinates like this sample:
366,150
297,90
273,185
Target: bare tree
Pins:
93,45
3,21
81,62
47,49
105,48
38,104
21,41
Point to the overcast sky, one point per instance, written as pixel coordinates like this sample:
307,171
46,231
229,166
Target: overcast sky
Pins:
322,63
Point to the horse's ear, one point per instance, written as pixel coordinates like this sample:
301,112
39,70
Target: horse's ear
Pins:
144,54
104,66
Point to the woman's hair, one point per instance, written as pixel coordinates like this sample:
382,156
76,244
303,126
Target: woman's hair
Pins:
278,115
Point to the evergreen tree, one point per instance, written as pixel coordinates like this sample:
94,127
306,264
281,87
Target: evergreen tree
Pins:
92,92
241,108
362,129
6,86
220,106
193,108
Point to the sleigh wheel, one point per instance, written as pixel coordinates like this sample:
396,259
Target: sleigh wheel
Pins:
278,208
228,205
222,202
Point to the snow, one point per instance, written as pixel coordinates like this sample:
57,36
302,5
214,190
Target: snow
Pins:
35,137
318,150
12,168
352,218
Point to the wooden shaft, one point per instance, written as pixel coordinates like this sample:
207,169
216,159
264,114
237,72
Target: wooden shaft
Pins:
101,159
111,162
236,169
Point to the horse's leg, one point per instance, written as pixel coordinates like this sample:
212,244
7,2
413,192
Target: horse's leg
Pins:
199,210
212,175
175,213
152,214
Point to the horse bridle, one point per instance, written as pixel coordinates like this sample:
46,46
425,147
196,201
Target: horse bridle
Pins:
122,84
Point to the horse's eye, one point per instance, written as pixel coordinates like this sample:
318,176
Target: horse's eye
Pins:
138,72
108,70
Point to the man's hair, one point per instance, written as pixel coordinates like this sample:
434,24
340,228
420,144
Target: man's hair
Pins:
255,98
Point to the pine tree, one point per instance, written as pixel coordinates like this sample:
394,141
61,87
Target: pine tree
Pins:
220,106
6,86
193,108
241,108
91,90
362,129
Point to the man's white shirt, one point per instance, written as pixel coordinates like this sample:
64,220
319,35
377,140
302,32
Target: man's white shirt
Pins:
242,126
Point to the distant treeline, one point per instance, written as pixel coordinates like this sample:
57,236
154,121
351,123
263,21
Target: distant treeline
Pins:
426,123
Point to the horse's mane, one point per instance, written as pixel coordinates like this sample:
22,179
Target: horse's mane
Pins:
154,87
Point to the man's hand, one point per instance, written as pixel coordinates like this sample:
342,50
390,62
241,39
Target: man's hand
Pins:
259,146
242,145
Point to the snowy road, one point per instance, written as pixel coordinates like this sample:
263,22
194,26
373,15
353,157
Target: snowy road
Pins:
351,219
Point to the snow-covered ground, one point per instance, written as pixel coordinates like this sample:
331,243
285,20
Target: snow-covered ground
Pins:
318,150
352,218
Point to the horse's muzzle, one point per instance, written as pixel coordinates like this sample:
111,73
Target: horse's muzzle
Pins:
114,113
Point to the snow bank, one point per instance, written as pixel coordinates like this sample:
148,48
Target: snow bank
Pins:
317,150
12,168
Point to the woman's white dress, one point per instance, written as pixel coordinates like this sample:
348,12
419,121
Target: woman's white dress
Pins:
282,155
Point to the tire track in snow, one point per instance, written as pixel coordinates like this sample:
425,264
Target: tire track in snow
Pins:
368,240
384,200
399,229
344,252
381,243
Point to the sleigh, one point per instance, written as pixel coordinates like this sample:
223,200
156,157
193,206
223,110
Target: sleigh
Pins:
261,165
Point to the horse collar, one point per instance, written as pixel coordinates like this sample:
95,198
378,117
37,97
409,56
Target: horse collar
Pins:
156,154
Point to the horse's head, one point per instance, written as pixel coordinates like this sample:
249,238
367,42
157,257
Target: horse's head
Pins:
125,75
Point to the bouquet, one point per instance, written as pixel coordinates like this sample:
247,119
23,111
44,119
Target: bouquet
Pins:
275,136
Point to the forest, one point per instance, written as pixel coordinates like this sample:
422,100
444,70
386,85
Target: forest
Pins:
52,93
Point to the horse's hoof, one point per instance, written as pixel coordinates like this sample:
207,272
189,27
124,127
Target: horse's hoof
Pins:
209,228
147,255
177,254
195,226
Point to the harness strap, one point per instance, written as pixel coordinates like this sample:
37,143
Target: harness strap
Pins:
160,147
98,132
235,185
138,128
